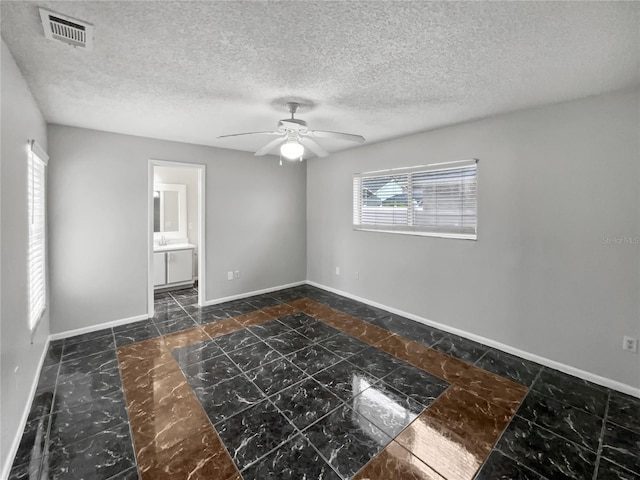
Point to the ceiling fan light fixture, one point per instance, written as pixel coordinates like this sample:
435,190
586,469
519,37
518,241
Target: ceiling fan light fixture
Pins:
292,150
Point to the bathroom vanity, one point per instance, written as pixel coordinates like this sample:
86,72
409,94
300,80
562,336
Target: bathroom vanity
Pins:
173,265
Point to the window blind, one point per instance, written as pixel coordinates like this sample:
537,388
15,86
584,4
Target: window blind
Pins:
36,178
436,199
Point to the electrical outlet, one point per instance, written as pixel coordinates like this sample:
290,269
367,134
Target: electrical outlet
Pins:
237,274
229,275
356,275
337,270
630,344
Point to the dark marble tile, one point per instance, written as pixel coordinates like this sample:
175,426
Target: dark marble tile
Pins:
208,373
83,420
317,331
175,325
160,296
239,339
110,451
420,333
262,301
545,452
338,302
33,441
275,376
269,329
624,410
516,368
253,356
622,446
42,403
569,422
347,440
184,293
101,361
61,402
288,342
85,387
571,390
205,315
376,362
345,380
131,474
197,352
25,471
187,300
254,432
48,376
295,460
228,397
80,350
344,345
135,335
236,307
166,312
297,320
312,359
305,402
387,408
54,353
85,337
500,467
417,384
610,471
132,325
460,347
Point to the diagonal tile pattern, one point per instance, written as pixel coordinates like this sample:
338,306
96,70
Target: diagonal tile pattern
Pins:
302,383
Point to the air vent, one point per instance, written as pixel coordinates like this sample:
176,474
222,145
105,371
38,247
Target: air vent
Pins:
66,29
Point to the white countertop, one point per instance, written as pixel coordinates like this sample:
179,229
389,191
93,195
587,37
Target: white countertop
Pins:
173,246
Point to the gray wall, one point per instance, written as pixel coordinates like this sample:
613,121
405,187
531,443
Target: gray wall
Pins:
255,222
553,184
21,120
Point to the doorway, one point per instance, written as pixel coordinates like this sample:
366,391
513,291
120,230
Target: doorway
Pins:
176,241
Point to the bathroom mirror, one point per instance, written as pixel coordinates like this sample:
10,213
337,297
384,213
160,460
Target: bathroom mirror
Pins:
169,210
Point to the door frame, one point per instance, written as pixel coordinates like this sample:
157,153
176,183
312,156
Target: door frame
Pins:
201,170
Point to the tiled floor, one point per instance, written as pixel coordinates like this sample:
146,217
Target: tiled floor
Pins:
305,384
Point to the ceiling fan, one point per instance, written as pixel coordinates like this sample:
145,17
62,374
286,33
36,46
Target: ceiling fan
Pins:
294,136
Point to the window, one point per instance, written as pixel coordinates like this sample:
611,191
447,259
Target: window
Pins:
437,200
36,254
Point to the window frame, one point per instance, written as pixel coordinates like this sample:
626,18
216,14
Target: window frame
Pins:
409,228
36,234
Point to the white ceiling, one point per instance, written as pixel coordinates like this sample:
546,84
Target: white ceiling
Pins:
191,71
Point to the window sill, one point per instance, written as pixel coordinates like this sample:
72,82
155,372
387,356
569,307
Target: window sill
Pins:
458,236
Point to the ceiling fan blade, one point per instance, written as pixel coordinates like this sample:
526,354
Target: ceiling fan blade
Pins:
270,146
342,136
314,147
250,133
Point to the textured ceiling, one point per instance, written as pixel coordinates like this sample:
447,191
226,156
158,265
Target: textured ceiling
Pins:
190,71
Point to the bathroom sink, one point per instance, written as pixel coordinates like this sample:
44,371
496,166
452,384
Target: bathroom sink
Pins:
172,246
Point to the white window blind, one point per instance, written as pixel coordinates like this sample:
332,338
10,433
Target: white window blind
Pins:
439,200
36,178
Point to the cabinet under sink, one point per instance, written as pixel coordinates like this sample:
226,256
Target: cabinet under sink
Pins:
173,266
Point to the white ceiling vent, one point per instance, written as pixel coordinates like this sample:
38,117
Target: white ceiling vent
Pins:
66,29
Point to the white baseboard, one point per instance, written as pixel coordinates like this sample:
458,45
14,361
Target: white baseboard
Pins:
591,377
101,326
6,470
251,294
